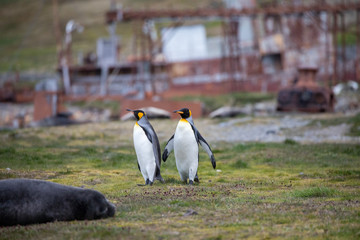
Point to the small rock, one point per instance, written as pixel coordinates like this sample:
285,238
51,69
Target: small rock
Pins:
190,212
226,111
270,132
151,113
218,170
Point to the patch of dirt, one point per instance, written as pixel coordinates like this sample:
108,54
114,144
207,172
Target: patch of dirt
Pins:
36,174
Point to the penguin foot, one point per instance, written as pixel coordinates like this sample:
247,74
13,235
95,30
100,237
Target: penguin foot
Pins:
191,182
160,179
196,179
150,183
147,182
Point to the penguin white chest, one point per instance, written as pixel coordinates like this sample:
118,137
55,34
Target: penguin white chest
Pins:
144,152
186,150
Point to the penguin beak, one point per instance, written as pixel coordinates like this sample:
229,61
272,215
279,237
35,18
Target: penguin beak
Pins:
178,111
129,110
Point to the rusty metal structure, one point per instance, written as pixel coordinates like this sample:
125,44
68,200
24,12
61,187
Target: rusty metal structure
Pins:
306,94
286,36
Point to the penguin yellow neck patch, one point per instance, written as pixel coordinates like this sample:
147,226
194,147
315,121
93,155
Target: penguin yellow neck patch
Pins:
183,120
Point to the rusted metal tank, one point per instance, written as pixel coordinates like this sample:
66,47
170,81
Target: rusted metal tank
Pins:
306,95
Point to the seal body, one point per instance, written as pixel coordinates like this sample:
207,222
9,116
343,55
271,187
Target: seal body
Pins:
27,201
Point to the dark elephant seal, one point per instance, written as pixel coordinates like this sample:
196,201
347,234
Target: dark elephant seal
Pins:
27,201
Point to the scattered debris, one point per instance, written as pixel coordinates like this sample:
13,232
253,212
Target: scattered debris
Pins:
58,120
15,115
347,97
90,114
348,86
264,108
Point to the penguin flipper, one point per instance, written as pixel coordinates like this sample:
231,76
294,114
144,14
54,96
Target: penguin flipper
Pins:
147,133
207,149
168,148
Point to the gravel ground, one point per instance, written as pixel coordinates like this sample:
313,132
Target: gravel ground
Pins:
277,129
273,127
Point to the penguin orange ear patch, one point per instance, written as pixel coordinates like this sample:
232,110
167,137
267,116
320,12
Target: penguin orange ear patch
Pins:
189,113
140,115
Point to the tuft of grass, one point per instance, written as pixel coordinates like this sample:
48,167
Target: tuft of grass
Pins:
240,164
315,192
290,141
355,128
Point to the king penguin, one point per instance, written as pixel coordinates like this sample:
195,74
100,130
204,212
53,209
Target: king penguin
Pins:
147,148
185,145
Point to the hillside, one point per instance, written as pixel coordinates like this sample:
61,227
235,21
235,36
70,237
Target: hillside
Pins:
27,34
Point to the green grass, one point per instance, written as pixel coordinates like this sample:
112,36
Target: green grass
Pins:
263,190
355,127
314,192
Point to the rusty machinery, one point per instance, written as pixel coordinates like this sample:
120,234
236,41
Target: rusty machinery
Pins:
305,94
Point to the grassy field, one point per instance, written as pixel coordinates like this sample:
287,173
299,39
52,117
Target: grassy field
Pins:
259,191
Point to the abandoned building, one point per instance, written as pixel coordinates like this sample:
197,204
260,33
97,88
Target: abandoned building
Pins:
261,48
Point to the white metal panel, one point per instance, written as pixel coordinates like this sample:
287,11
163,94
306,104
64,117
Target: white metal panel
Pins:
184,43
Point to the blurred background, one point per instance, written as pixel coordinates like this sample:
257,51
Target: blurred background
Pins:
65,62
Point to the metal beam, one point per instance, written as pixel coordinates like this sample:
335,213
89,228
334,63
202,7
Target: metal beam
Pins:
130,15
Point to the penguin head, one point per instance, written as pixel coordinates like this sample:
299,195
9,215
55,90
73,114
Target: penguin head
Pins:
137,113
184,112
